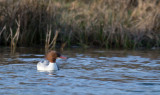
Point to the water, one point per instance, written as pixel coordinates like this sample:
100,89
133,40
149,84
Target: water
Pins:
86,72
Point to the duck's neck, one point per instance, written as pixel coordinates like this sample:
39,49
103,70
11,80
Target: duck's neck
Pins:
52,62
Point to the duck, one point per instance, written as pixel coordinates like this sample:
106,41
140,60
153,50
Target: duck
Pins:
50,62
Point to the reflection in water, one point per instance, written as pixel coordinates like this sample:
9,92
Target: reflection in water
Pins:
93,72
50,72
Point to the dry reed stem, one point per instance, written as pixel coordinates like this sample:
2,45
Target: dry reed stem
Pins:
53,43
15,37
62,46
50,44
4,28
48,36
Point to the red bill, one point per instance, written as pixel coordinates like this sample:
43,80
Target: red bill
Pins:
63,57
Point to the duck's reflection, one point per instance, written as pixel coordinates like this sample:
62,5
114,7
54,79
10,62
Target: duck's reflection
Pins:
49,72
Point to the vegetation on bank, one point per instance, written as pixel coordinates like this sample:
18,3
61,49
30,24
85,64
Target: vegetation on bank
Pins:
100,23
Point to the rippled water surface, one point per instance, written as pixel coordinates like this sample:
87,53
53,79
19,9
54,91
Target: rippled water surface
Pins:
85,72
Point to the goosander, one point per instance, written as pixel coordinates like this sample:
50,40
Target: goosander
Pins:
50,62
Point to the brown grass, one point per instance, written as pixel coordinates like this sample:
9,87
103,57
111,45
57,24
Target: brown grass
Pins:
15,37
101,23
50,44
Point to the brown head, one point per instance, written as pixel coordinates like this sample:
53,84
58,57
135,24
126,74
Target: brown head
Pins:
51,56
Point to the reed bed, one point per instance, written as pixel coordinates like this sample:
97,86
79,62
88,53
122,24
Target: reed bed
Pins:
98,23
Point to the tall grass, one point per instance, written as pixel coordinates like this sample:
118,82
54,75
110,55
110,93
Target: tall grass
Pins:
50,44
15,36
100,23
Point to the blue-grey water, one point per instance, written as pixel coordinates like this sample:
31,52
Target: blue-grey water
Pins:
85,72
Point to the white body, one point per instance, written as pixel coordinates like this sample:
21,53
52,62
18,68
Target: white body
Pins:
46,66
